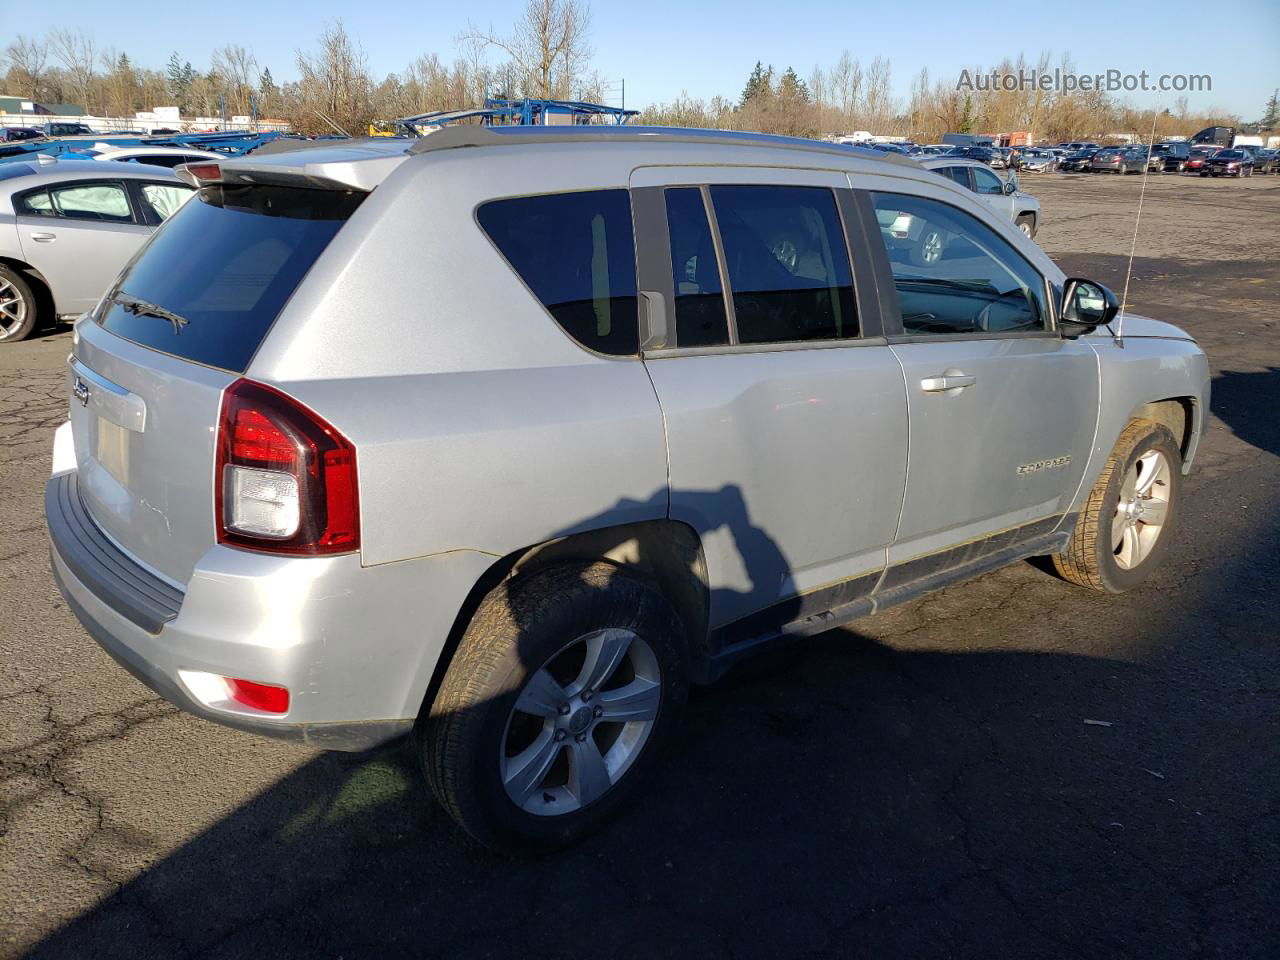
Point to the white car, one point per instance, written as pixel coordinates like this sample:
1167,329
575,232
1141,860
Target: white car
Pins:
1001,195
151,156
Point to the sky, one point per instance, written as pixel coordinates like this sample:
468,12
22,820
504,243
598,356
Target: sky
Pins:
663,48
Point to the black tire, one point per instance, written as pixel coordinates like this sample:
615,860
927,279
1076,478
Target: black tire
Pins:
22,299
1089,559
1027,223
516,631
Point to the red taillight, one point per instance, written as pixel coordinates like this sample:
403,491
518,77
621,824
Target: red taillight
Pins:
261,696
285,480
205,172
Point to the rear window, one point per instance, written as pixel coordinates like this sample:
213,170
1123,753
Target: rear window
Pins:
576,253
226,263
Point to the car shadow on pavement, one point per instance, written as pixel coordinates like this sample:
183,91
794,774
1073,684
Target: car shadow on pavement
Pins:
976,774
934,791
1239,398
812,789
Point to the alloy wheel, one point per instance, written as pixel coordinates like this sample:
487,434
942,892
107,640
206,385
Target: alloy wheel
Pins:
13,309
1142,509
580,722
931,251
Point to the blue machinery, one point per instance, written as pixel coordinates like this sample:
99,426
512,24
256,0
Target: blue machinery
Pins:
493,113
232,144
496,113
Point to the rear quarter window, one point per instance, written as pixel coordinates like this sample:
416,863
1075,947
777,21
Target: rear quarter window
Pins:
576,254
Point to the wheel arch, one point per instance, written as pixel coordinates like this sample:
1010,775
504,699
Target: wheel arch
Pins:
665,552
1179,414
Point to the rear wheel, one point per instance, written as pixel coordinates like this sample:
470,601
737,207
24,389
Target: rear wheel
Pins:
18,306
1124,530
565,689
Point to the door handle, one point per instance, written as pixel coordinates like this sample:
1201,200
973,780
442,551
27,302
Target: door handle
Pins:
951,380
44,237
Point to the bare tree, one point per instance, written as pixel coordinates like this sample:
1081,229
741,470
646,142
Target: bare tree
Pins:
30,57
77,52
880,107
237,69
334,92
549,44
119,85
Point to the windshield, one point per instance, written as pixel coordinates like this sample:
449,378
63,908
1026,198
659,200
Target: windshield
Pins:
224,265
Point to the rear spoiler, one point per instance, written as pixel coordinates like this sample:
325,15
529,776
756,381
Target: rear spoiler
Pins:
338,168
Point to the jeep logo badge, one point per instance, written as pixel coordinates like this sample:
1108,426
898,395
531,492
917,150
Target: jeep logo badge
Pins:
80,390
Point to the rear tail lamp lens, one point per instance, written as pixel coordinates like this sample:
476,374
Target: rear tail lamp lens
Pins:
286,479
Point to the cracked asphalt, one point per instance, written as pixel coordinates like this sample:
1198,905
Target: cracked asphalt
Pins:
1013,767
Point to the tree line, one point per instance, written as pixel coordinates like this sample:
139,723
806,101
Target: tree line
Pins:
547,53
849,96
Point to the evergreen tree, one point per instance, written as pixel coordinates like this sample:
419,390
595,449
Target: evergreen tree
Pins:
1271,119
178,78
760,83
173,75
792,87
266,86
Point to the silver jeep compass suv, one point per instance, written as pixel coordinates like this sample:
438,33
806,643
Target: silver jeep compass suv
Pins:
507,438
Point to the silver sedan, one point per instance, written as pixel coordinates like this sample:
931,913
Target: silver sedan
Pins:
66,229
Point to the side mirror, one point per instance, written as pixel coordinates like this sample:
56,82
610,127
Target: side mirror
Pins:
1010,187
1085,306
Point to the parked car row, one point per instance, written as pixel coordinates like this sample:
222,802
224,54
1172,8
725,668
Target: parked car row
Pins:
1178,157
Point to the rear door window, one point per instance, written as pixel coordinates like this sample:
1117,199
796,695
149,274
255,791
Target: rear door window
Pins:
35,204
700,313
225,263
576,254
788,265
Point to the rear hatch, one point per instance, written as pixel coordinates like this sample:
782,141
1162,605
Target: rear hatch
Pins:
149,366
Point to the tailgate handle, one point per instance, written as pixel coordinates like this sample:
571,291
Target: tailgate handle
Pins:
111,401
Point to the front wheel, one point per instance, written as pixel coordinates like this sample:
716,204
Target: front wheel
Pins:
1027,224
566,687
1124,529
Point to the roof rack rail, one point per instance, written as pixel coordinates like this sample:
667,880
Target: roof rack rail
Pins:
452,138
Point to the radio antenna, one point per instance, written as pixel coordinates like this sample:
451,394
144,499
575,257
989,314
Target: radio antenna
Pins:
1133,247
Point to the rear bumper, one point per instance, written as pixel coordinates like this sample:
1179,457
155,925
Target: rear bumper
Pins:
356,647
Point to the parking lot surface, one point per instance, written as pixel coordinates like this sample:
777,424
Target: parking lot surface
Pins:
1013,767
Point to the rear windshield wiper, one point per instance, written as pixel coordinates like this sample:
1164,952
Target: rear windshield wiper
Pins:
145,308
